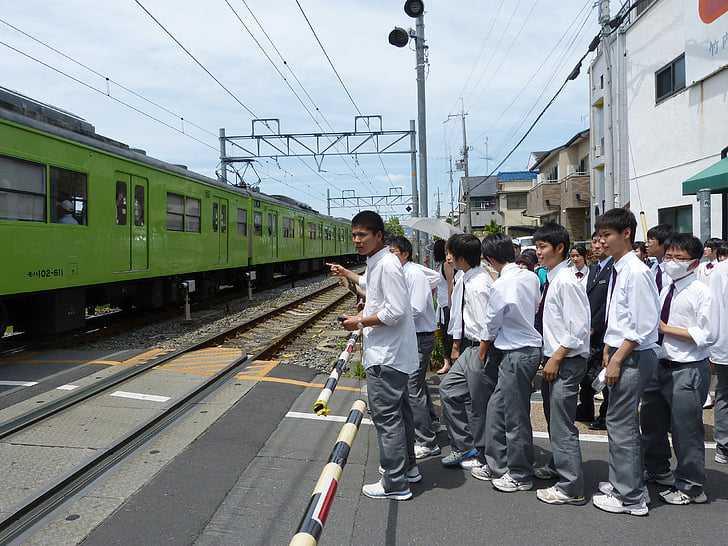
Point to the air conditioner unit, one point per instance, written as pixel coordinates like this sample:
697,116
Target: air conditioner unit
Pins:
597,150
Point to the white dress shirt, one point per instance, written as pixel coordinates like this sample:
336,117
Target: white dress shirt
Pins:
477,285
443,298
705,269
654,267
584,274
719,314
633,305
511,312
394,343
566,313
420,293
690,308
431,275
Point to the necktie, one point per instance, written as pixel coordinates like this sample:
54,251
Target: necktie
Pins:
579,275
709,266
611,293
539,314
665,313
658,279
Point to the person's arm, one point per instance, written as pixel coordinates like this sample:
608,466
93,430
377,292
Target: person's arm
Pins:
450,277
340,271
700,334
456,320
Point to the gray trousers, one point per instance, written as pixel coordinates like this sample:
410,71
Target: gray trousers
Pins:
721,409
561,397
464,393
623,427
509,437
676,404
392,417
419,396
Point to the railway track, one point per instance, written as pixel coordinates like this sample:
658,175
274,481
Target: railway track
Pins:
255,339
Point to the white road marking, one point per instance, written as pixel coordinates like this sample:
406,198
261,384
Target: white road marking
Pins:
140,396
67,387
18,383
331,418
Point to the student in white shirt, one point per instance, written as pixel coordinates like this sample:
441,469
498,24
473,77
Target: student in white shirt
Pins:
656,237
468,385
710,255
390,357
630,341
719,356
444,296
578,264
566,319
423,311
683,377
508,326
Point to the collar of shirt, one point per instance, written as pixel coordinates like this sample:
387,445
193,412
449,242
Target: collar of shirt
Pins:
604,263
683,283
620,264
555,271
509,269
375,258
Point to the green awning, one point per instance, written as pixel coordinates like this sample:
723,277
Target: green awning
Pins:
714,178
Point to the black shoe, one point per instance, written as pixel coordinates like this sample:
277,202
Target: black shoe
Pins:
582,416
598,424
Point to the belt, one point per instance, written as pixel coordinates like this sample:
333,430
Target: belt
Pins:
665,363
467,343
424,334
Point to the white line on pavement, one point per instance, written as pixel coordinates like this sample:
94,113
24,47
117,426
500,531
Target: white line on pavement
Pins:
18,383
67,387
140,396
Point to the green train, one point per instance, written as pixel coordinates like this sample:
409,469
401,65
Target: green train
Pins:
88,221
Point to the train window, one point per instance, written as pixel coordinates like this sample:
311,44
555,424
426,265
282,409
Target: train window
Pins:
272,225
138,206
243,222
175,212
258,224
214,216
311,231
223,218
192,214
120,203
68,197
289,230
22,190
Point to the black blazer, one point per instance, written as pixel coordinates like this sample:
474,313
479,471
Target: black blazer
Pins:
596,289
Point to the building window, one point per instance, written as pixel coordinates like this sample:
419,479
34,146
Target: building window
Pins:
183,213
258,224
243,222
679,218
583,166
553,174
601,81
670,79
289,231
516,201
68,197
642,5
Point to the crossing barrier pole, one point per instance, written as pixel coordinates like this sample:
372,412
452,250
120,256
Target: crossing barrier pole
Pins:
321,406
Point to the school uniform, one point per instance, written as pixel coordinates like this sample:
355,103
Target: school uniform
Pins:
705,270
423,312
683,377
443,310
390,357
566,323
509,325
468,385
719,355
632,314
581,275
661,278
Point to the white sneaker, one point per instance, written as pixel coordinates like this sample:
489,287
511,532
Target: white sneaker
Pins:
720,458
673,496
608,489
469,464
708,402
422,452
482,472
413,474
610,503
508,484
376,491
554,495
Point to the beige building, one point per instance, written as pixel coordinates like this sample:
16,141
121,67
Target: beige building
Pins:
561,193
512,198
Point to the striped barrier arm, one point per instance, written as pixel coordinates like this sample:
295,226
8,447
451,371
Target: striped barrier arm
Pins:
321,406
313,521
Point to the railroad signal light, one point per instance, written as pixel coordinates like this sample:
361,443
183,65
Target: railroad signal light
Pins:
399,37
414,8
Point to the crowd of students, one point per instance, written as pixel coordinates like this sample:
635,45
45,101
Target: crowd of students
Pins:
649,328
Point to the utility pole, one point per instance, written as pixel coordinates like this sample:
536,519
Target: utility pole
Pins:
438,202
415,197
604,18
466,183
420,49
452,198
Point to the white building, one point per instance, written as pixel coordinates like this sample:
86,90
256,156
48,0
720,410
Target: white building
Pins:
660,116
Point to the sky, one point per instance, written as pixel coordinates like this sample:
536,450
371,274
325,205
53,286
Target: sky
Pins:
505,58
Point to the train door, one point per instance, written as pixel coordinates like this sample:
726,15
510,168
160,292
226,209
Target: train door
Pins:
139,225
220,228
273,233
321,236
121,241
300,248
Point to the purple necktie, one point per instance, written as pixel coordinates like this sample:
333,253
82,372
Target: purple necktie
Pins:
658,279
665,313
579,275
709,266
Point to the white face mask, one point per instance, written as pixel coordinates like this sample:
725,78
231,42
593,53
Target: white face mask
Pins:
676,269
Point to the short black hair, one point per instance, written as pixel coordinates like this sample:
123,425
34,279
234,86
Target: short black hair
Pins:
438,250
499,247
581,249
722,250
686,242
467,246
402,244
595,235
618,219
369,220
528,258
640,245
660,233
713,243
555,235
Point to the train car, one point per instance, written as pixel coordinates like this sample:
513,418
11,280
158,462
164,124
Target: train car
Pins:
88,221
